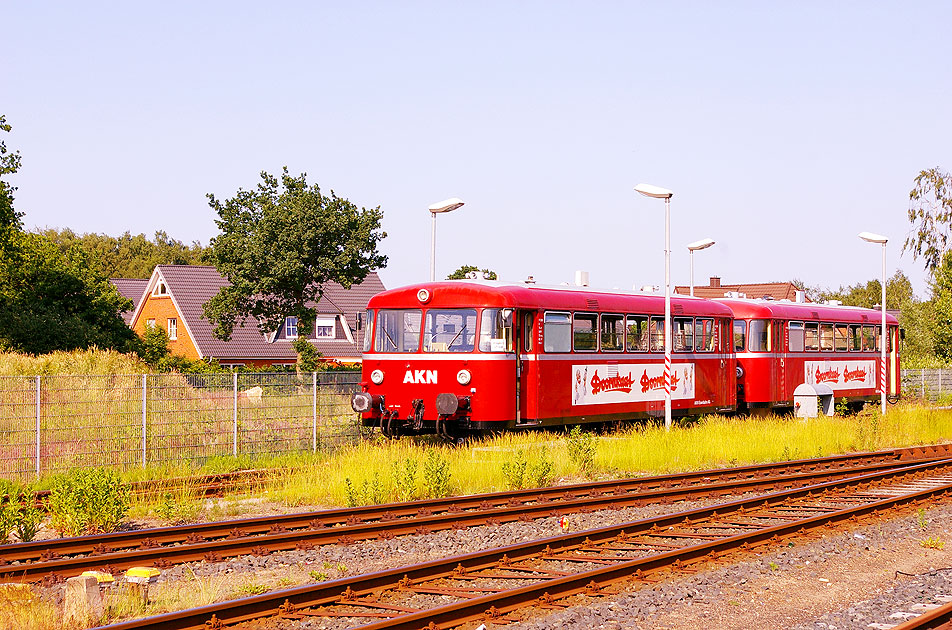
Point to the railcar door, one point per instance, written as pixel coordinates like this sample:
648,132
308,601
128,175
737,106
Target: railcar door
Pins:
780,351
526,369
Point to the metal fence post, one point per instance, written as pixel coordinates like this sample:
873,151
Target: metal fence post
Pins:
314,412
922,376
234,448
38,427
144,409
940,382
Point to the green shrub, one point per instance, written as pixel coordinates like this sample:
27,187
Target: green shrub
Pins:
405,479
87,501
436,474
514,470
581,448
539,472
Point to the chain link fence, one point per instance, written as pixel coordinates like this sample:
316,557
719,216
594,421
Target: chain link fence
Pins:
50,424
929,384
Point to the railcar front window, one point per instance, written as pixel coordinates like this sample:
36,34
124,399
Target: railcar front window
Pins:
704,338
450,330
368,330
826,337
740,335
811,336
585,332
613,333
557,332
757,334
637,333
657,334
683,334
495,331
795,336
398,330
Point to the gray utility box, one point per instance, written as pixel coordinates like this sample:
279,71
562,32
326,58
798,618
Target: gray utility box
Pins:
810,400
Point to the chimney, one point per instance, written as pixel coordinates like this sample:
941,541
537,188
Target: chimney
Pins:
581,278
715,281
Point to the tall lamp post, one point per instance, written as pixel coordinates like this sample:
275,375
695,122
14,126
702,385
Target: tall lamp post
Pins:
869,237
704,243
447,205
663,193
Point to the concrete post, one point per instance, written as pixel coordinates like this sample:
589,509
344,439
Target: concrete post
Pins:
83,600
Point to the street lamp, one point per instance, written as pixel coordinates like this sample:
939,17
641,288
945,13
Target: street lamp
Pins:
447,205
704,243
663,193
869,237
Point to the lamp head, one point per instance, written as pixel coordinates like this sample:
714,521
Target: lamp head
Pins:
654,191
447,205
873,238
704,243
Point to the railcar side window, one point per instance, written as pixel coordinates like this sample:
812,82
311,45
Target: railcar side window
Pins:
657,334
811,336
795,336
557,332
585,332
757,335
637,333
613,333
704,338
527,321
841,337
869,338
856,337
826,337
683,334
495,331
740,335
876,331
368,330
398,330
450,330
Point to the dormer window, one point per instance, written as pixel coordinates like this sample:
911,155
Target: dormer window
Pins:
291,327
160,289
325,329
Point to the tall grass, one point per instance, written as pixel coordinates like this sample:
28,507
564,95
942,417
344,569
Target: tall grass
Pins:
85,362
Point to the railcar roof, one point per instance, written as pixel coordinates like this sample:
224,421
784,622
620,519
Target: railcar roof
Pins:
783,309
494,293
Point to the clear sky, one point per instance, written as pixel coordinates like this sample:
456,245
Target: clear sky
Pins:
784,129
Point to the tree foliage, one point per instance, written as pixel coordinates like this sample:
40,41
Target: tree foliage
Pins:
941,312
9,165
129,256
463,272
930,213
280,244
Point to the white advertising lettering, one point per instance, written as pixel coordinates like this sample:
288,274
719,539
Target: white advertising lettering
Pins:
629,382
840,374
418,377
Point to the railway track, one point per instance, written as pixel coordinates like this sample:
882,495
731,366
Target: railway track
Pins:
495,585
54,560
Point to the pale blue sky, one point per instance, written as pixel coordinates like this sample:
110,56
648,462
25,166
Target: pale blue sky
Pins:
784,129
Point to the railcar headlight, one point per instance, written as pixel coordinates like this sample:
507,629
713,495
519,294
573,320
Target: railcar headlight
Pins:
740,372
463,377
376,377
423,295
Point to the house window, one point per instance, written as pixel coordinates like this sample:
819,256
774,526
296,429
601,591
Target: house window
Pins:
160,289
325,329
173,329
290,327
150,323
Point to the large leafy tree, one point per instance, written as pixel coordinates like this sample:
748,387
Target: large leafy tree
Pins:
463,272
9,164
930,213
280,244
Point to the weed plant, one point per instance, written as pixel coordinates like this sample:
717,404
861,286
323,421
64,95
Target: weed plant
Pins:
88,500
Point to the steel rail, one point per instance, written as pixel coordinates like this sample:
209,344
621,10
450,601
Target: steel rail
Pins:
553,502
34,550
291,602
935,619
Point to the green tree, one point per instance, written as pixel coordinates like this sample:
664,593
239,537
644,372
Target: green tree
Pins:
280,244
930,213
9,165
941,323
463,272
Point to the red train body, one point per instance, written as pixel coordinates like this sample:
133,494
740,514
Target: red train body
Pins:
459,357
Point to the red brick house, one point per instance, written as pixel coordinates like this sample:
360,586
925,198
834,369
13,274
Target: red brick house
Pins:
769,290
174,296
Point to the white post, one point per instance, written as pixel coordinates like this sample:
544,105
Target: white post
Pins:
144,409
314,412
692,273
37,427
234,447
667,312
433,249
883,342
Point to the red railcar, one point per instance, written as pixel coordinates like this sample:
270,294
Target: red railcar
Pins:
780,344
464,356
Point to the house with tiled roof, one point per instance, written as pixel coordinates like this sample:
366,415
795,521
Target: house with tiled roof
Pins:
131,289
175,294
754,291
